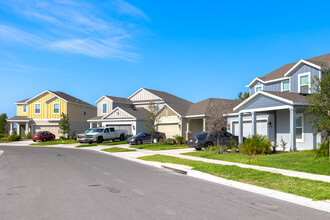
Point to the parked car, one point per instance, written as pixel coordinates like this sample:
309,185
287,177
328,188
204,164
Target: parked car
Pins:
145,138
81,138
104,134
204,140
43,136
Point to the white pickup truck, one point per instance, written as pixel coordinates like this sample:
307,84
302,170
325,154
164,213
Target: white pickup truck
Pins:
104,134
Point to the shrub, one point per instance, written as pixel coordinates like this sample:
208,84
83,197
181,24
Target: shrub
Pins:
14,137
170,140
27,136
283,144
74,137
179,139
62,137
212,148
233,145
257,144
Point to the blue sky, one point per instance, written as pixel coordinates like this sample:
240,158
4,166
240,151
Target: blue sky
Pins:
192,49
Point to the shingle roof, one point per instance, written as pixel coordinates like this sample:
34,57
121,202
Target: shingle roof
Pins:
201,108
23,101
181,109
71,99
119,99
19,118
168,98
323,60
292,96
96,118
138,113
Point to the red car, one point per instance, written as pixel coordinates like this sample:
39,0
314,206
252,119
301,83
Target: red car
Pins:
43,136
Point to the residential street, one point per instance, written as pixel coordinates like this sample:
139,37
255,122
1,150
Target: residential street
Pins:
58,183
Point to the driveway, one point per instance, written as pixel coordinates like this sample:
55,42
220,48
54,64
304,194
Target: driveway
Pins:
60,183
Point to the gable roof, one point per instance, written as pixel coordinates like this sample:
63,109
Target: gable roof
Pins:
61,95
137,113
119,99
201,108
318,62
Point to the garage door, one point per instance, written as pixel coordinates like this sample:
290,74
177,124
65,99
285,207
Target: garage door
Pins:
51,128
128,127
262,127
247,128
170,130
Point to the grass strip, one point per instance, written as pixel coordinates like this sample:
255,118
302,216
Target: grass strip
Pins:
302,161
86,145
55,142
316,190
159,146
117,149
113,143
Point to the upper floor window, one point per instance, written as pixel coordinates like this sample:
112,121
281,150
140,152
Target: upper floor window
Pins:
24,109
304,83
286,86
104,108
258,88
85,113
37,108
158,105
56,108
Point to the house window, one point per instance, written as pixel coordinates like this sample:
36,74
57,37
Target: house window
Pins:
24,108
258,88
56,108
85,113
157,106
286,86
304,83
104,108
299,127
37,108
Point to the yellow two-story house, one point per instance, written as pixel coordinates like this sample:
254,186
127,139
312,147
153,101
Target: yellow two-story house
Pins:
43,112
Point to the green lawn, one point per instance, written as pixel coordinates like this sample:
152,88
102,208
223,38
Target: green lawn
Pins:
302,161
113,143
86,145
54,142
159,146
316,190
117,149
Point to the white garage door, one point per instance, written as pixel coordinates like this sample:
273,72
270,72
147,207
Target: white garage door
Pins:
128,127
262,127
170,130
247,128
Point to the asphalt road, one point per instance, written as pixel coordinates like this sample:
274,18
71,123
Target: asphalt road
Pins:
57,183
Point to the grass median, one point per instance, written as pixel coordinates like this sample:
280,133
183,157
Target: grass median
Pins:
55,142
316,190
159,146
302,161
117,149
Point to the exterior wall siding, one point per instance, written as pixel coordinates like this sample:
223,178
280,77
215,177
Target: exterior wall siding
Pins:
119,114
50,109
46,110
304,69
76,112
20,110
252,89
273,87
263,102
100,106
143,95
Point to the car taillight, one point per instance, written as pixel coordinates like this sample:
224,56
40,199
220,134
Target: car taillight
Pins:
195,139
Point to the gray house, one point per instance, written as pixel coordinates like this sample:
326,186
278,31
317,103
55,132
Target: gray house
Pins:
277,105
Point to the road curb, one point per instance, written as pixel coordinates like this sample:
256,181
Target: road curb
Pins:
303,201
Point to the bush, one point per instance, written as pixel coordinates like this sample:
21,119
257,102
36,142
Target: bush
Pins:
74,137
13,137
283,144
27,136
62,137
233,145
179,139
257,144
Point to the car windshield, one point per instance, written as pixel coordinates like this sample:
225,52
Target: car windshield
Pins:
141,134
94,130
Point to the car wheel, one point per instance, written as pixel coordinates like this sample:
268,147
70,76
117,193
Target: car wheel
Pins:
138,142
159,139
197,148
34,140
100,140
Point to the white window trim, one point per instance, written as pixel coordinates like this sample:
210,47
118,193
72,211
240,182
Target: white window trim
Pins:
289,86
25,108
255,88
106,108
309,81
35,108
302,126
59,108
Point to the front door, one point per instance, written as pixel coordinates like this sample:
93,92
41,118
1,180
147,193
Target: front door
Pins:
22,130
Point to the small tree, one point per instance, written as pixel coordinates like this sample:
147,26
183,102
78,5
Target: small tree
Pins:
243,97
319,106
64,125
151,120
216,122
3,123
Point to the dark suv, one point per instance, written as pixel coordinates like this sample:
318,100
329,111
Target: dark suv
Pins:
144,138
204,140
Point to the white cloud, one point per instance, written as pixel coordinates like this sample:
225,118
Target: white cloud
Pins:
75,27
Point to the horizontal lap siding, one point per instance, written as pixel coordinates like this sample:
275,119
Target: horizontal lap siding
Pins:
304,69
263,102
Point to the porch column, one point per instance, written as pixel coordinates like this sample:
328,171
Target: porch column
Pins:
240,127
90,124
254,130
204,124
11,130
18,129
27,128
293,129
188,133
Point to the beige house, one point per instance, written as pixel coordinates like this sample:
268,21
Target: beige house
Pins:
43,112
189,119
131,113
